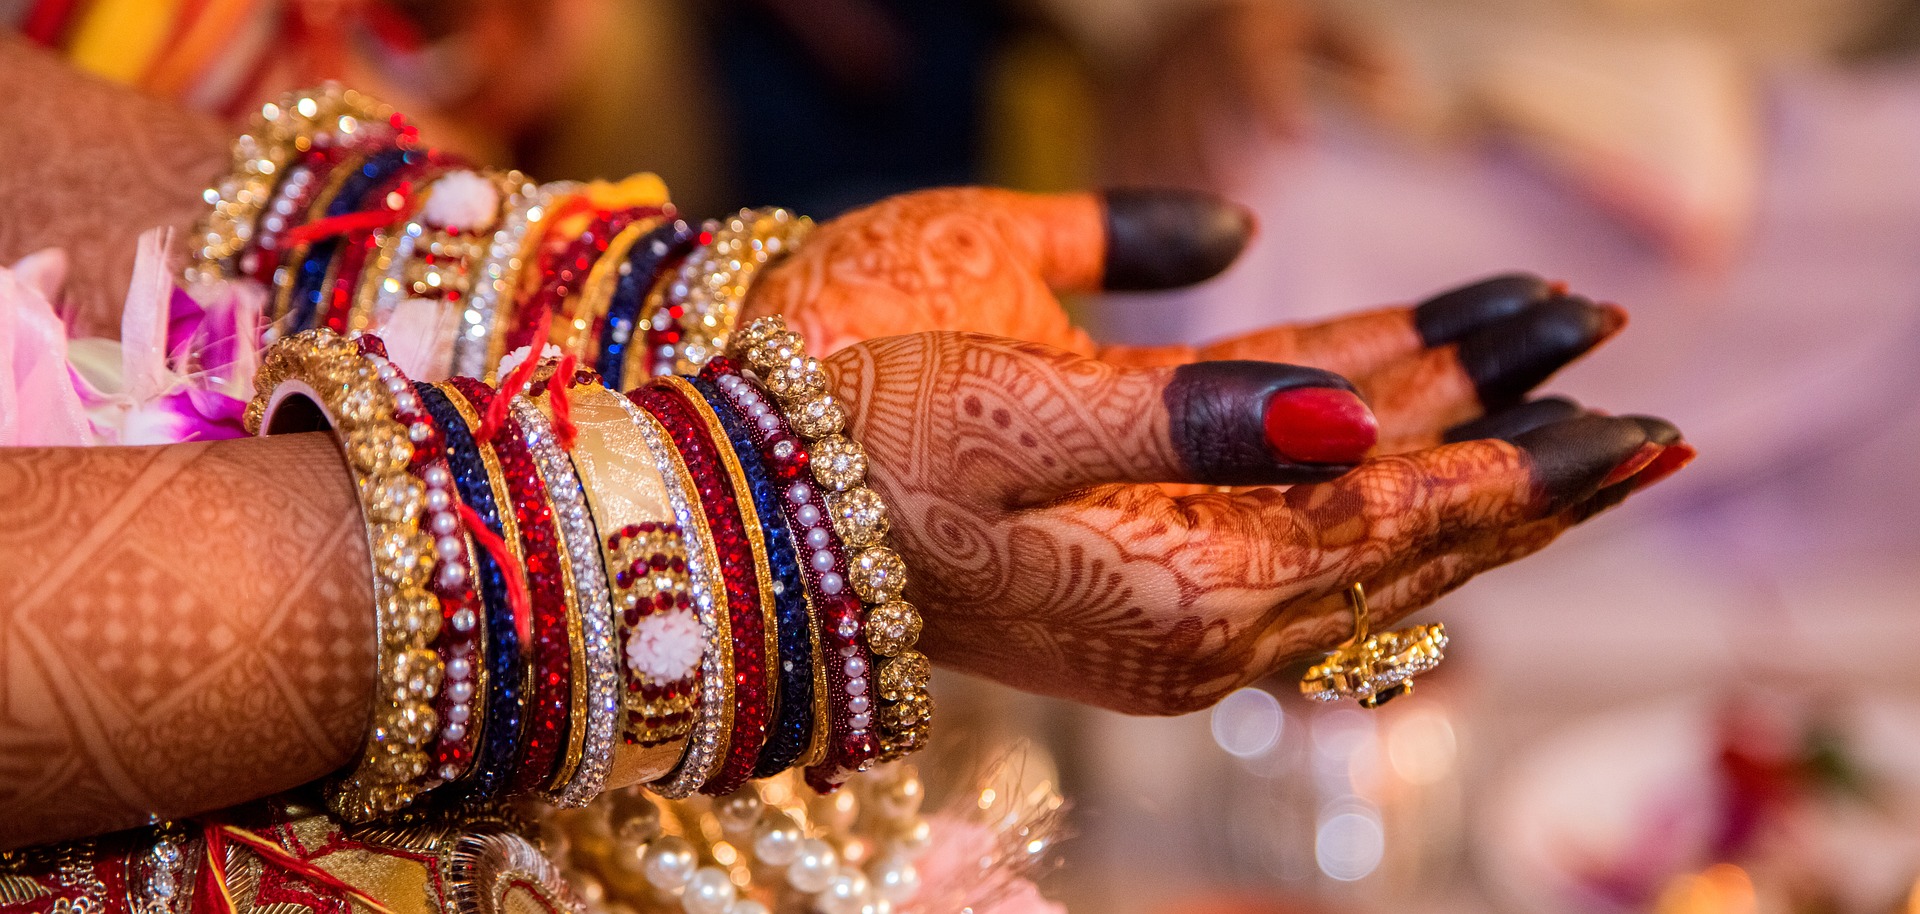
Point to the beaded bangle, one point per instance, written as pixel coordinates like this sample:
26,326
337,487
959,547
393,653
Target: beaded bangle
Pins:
843,741
372,409
661,639
292,195
538,246
549,699
740,541
297,122
301,305
792,732
647,260
713,716
525,206
477,473
712,285
860,517
460,635
590,743
564,276
400,195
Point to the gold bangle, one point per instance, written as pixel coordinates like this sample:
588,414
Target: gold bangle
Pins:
779,359
541,207
624,490
367,403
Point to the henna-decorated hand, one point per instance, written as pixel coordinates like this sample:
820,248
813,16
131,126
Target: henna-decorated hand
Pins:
993,261
1021,479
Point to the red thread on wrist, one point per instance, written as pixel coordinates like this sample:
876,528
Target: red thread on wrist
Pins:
517,597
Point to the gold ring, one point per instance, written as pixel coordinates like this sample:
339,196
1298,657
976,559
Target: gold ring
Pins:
1375,669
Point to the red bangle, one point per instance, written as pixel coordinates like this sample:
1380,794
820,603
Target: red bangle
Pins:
550,699
359,246
565,268
753,696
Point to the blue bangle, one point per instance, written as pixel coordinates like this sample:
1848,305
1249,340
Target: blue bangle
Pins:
501,729
653,251
792,730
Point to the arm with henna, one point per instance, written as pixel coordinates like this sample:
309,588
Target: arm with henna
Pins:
88,166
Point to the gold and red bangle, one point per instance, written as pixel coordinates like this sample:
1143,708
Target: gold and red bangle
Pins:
394,199
549,702
757,686
577,327
723,506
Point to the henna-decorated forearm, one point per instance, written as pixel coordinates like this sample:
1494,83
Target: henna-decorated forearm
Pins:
89,166
184,628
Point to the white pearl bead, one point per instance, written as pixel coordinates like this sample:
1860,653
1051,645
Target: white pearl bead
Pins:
460,713
776,840
817,537
846,893
808,516
860,721
418,432
447,547
915,840
455,731
857,686
799,493
708,892
757,408
738,813
858,704
814,863
768,423
822,560
395,385
459,668
669,862
453,575
387,372
832,583
407,401
437,477
444,524
461,690
856,667
895,878
438,498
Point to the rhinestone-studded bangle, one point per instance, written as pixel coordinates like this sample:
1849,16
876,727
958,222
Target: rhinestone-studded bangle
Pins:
595,719
648,259
769,476
779,357
482,486
288,127
713,714
372,409
737,542
579,318
549,700
494,279
703,303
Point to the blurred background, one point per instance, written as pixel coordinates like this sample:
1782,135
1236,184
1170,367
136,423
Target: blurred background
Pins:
1708,701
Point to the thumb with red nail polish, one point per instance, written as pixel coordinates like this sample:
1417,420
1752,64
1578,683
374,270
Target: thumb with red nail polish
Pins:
1265,423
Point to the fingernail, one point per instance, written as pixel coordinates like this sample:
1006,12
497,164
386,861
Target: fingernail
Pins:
1634,464
1508,358
1160,238
1320,425
1449,315
1672,461
1572,458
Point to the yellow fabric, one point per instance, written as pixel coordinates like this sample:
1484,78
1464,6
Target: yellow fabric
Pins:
118,39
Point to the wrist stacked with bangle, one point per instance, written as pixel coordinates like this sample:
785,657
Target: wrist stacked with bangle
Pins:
684,586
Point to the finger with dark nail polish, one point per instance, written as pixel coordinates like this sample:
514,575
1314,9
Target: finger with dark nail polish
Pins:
1659,430
1264,423
1515,354
1515,420
1444,318
1166,239
1571,459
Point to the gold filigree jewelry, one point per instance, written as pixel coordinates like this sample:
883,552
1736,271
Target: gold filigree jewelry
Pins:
1375,669
373,411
